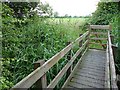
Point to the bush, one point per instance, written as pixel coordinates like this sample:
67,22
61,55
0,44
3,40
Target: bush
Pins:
24,42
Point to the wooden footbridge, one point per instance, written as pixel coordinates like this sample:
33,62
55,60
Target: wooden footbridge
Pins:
94,69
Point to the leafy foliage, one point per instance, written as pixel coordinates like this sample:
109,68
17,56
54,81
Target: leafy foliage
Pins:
104,13
28,40
109,13
44,9
22,9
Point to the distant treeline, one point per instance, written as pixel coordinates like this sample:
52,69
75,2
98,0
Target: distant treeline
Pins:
71,16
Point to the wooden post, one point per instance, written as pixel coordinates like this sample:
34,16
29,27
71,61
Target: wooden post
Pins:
112,38
118,81
80,45
89,28
42,82
114,48
110,28
68,58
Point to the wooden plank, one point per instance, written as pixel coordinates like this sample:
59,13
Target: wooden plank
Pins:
99,33
69,56
98,38
110,27
97,43
97,68
66,67
78,85
42,82
112,38
100,27
80,43
90,79
107,72
89,36
98,49
91,70
112,64
114,48
87,82
100,41
76,66
69,87
29,80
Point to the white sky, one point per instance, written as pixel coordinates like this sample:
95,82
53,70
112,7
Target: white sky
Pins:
73,7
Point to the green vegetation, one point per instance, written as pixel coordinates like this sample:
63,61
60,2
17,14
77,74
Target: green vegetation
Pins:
109,13
32,38
72,26
27,37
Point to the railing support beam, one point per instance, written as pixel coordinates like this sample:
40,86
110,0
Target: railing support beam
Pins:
80,45
42,82
69,58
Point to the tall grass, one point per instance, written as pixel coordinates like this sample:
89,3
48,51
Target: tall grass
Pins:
38,39
72,26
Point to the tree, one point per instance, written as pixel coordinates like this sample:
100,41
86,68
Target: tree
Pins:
44,9
22,9
56,14
104,13
66,15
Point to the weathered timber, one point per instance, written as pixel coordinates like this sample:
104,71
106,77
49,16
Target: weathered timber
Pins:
112,64
100,27
65,68
69,58
99,33
98,38
73,72
98,43
93,76
42,82
107,71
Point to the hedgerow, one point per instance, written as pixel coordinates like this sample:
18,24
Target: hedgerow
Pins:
30,40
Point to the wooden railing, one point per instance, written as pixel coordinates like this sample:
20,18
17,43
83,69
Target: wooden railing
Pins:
42,67
38,73
110,73
96,31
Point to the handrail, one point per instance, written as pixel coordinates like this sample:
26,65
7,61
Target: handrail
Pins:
112,65
65,68
100,27
29,80
107,70
96,34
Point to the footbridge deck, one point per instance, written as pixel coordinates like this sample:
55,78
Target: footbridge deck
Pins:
90,73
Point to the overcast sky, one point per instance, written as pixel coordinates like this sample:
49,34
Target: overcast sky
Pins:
73,7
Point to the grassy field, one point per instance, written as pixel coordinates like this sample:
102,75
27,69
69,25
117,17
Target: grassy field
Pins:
72,26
